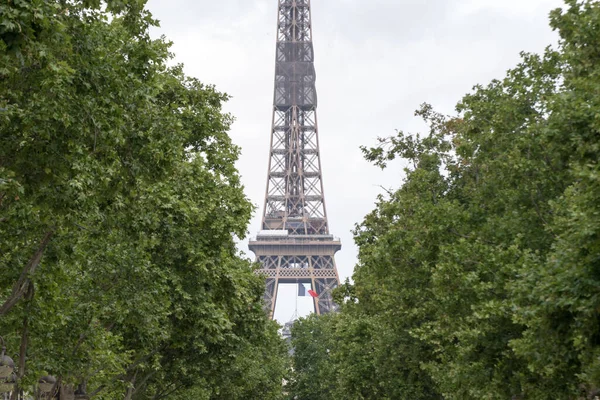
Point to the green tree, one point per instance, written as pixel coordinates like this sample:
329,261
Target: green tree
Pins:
478,277
559,297
313,370
119,203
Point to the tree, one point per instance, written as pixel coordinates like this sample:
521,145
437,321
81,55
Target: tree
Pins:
559,296
477,278
313,370
119,203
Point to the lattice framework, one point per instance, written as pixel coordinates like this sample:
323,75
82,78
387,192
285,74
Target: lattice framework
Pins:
294,198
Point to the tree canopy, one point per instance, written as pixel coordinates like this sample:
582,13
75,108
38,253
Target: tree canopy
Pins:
119,206
479,277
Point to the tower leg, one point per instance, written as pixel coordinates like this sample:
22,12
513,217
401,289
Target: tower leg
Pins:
270,296
315,299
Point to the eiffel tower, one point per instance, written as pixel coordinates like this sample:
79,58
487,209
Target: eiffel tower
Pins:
294,244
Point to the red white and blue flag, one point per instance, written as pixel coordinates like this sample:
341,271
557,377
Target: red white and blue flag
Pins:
303,292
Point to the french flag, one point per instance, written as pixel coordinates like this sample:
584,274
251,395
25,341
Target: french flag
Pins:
302,291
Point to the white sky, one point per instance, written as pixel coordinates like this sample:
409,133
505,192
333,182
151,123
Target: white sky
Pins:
376,61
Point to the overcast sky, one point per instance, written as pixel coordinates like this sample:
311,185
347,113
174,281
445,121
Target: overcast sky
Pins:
376,61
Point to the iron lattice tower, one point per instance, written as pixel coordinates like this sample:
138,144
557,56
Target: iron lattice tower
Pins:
294,245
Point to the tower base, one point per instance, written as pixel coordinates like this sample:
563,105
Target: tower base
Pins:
298,259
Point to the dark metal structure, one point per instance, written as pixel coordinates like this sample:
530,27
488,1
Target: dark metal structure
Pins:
294,245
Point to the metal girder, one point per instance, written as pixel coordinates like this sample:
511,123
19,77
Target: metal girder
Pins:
291,261
294,197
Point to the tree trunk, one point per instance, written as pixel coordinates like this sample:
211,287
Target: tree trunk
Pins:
131,388
23,346
22,285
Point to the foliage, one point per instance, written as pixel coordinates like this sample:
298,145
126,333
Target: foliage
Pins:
478,278
353,356
119,202
313,375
